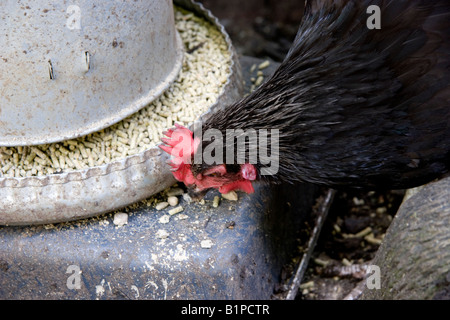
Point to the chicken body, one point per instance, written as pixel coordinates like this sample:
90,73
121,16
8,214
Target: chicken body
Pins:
353,106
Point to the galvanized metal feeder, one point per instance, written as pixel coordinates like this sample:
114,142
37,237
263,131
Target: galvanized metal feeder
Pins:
69,70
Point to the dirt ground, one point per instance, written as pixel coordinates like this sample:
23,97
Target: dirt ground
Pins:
354,228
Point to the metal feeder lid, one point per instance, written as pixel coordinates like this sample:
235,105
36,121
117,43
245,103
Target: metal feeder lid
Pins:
67,70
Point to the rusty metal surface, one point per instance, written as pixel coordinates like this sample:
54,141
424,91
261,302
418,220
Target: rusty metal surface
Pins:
85,193
67,70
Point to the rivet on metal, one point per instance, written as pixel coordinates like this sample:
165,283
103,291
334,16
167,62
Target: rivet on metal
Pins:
50,70
87,61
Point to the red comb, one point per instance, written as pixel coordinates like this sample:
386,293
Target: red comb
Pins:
179,143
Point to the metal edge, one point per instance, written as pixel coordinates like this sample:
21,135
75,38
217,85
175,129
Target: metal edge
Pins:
132,184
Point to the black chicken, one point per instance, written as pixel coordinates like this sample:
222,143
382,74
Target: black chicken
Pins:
354,106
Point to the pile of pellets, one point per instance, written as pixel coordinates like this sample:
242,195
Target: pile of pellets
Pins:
205,70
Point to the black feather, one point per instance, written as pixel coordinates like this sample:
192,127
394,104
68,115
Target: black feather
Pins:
358,107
